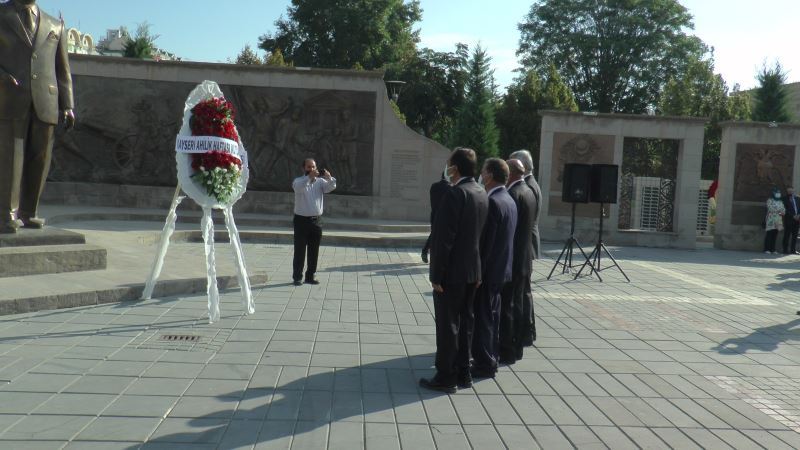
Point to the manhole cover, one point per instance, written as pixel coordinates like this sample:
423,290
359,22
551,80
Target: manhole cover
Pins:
179,337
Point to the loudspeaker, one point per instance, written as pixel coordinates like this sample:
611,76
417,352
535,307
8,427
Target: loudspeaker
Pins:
575,187
604,183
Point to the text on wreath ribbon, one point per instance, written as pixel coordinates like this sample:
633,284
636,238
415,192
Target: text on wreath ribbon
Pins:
203,144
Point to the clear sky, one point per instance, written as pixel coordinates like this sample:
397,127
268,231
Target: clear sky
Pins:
744,33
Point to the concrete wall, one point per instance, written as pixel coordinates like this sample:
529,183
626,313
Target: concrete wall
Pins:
605,134
755,157
403,163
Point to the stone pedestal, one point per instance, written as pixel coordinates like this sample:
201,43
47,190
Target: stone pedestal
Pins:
49,250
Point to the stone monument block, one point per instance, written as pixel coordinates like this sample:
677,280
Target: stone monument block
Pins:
577,148
759,168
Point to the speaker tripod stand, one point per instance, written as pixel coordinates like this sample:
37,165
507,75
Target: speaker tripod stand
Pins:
593,260
568,250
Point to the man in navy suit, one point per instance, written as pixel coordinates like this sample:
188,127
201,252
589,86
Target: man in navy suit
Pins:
455,270
790,221
497,245
516,324
437,192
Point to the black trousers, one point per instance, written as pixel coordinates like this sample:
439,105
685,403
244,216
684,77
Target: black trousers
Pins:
511,320
455,319
769,240
528,330
427,246
486,337
790,227
307,236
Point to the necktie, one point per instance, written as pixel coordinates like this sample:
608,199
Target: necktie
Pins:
30,22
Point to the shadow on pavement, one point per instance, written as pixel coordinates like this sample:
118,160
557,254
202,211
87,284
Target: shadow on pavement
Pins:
380,270
306,403
765,339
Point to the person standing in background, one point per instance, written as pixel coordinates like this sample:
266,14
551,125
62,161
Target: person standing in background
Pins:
455,271
437,191
774,220
308,191
497,243
517,326
525,158
790,221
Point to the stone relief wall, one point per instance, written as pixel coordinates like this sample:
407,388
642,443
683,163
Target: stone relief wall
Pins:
126,132
759,168
577,148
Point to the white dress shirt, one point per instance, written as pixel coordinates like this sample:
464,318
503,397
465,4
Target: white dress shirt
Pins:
308,195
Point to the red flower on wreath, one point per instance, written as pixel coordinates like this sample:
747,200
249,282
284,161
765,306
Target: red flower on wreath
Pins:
214,117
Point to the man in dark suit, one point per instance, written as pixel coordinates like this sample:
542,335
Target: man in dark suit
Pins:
497,243
525,158
35,83
437,192
516,324
455,270
791,221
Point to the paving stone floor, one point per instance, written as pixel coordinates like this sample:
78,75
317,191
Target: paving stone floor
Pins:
698,351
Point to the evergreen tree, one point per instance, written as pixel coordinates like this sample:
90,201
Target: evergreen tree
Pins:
771,101
276,59
475,123
518,116
142,45
248,57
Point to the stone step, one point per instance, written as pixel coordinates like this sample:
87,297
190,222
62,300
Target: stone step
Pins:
50,259
25,237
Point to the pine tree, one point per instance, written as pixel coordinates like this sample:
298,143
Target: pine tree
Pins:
248,57
475,122
771,100
276,59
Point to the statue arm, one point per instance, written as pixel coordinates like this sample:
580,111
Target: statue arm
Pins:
63,74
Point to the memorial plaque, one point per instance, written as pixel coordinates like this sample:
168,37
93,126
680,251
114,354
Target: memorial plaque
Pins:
126,133
405,176
759,168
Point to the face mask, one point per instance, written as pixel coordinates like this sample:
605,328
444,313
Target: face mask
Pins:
777,196
480,181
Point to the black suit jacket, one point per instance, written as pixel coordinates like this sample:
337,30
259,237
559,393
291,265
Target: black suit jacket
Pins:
456,233
537,193
791,211
523,247
497,242
437,192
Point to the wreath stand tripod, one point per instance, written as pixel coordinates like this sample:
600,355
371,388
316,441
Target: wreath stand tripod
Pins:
207,225
567,251
593,261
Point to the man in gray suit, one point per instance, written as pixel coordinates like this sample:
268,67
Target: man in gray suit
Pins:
525,158
35,84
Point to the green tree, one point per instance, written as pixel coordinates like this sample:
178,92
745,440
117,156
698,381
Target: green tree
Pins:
434,91
771,98
276,59
142,44
341,33
248,57
615,55
699,92
518,118
475,123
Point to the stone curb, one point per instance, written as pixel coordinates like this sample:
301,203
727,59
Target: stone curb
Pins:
127,293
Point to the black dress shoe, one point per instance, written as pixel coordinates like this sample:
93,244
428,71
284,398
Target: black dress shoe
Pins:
436,385
297,283
482,373
507,360
465,381
311,281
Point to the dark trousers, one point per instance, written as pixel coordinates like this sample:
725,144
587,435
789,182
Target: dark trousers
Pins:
790,227
769,240
486,337
427,246
528,330
455,319
510,320
25,152
307,236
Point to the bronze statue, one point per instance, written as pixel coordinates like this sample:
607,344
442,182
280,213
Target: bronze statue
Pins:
35,84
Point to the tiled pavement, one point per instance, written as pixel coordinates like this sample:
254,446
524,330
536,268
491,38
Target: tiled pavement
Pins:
697,351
